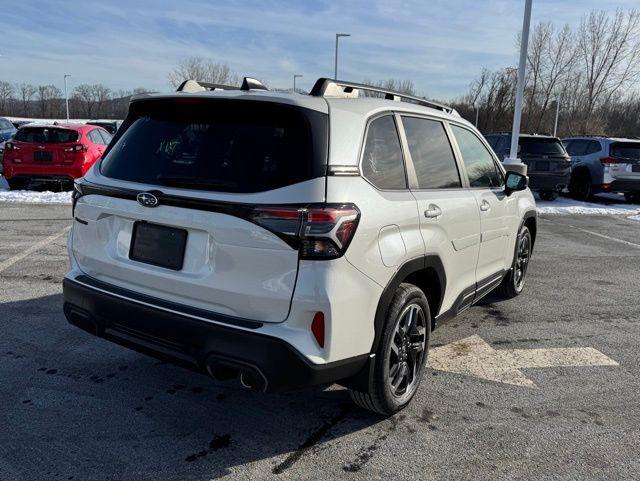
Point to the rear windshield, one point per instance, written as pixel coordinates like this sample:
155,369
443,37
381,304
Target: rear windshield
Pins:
541,146
625,150
46,135
219,145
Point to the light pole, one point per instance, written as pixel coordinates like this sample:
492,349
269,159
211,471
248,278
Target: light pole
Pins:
555,125
335,70
66,97
295,76
517,115
477,114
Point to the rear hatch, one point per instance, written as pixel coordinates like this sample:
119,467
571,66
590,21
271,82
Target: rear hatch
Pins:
624,160
544,155
42,146
225,174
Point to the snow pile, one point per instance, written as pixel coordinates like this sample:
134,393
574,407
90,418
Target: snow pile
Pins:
32,197
609,206
634,217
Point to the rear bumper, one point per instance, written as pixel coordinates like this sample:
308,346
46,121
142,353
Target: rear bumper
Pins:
223,349
45,173
548,181
622,186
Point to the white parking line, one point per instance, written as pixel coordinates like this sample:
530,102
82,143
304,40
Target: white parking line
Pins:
35,247
622,241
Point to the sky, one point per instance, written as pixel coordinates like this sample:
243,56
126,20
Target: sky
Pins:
441,45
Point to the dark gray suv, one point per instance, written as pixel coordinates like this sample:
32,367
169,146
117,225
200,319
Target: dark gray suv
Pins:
548,164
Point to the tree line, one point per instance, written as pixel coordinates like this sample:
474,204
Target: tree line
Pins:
592,73
47,101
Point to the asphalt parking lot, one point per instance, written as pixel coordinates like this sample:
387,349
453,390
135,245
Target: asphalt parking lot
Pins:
76,407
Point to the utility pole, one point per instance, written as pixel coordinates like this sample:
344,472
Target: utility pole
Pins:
335,70
555,125
66,97
295,76
517,115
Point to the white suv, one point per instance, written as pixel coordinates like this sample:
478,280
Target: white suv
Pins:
293,240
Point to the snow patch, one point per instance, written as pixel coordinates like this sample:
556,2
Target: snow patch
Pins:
32,197
565,206
634,217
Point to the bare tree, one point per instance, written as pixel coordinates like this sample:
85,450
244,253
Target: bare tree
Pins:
49,97
83,95
402,86
6,95
206,70
26,92
101,95
609,51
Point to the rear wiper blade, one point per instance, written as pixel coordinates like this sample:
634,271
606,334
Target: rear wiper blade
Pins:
187,182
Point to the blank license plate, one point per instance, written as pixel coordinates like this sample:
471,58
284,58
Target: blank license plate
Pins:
42,156
542,165
158,245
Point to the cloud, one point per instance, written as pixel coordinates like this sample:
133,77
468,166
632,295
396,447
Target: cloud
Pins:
439,44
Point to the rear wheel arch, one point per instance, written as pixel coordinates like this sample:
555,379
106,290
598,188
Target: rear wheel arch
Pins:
428,274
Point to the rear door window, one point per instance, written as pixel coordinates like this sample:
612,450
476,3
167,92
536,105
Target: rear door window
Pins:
219,145
106,138
382,161
533,146
46,135
481,168
625,150
95,137
431,154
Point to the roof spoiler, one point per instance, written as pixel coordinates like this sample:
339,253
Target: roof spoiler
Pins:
192,86
326,87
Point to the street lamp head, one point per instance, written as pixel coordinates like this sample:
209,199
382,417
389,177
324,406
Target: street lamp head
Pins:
343,35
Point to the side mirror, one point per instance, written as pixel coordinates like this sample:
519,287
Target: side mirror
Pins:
515,182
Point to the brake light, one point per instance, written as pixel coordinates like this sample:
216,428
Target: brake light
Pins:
317,231
608,160
76,148
11,146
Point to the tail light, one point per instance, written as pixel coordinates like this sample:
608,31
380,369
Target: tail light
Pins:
11,146
608,160
76,148
75,195
317,231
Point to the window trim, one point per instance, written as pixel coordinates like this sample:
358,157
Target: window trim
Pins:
411,169
501,170
363,143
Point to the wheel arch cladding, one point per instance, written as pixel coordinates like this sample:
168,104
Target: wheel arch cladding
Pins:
428,274
531,222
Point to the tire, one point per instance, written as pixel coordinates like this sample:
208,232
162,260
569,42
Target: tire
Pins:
395,358
580,186
513,284
632,197
548,195
17,184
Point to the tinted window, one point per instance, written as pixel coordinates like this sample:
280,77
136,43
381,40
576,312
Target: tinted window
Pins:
593,146
95,137
220,145
625,150
431,154
492,140
45,135
481,168
577,147
106,138
382,158
533,146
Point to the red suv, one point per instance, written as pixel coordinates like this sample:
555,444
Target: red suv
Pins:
52,153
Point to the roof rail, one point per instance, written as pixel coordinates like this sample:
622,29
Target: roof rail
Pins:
330,87
192,86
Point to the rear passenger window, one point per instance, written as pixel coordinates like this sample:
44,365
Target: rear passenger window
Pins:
382,162
106,138
95,137
481,168
431,154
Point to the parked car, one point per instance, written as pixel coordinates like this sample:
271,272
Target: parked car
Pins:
604,164
7,130
548,164
110,126
293,240
48,153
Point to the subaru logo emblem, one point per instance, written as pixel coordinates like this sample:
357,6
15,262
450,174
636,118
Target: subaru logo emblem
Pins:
147,199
